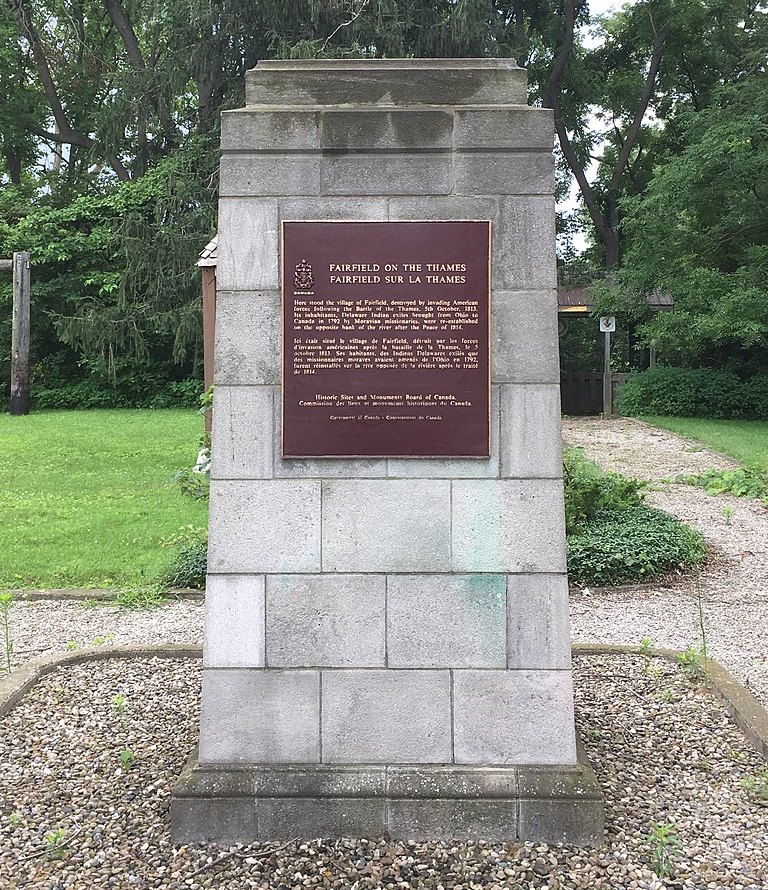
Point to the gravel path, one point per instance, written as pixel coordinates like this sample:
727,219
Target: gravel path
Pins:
40,627
60,772
732,586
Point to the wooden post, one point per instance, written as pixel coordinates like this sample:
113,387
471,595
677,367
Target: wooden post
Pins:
209,325
20,335
607,387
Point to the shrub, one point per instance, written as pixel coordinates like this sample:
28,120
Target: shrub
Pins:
635,544
189,566
689,392
590,492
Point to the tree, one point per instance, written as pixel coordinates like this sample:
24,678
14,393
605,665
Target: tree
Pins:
701,233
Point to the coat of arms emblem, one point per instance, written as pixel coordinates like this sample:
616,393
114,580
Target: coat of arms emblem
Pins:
303,279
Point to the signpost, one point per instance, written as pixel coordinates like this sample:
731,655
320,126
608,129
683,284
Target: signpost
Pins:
607,326
386,339
19,265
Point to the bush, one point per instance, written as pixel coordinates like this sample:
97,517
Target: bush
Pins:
590,492
147,393
631,545
683,392
189,567
693,392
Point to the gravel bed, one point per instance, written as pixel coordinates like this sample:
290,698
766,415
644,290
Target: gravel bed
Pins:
42,627
732,587
664,751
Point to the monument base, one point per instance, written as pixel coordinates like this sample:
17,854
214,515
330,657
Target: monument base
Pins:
240,804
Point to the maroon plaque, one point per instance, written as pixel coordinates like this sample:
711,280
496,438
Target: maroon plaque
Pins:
386,339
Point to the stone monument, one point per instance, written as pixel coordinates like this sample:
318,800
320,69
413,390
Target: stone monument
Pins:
386,636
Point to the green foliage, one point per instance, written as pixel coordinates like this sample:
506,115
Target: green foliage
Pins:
693,661
55,845
189,566
744,482
148,596
700,232
694,392
589,492
665,845
757,787
632,545
127,759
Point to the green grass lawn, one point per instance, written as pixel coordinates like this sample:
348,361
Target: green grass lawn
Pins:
86,498
744,440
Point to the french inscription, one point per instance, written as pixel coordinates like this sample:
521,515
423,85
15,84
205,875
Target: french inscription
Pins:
385,347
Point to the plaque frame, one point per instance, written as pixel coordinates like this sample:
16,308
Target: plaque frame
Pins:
352,456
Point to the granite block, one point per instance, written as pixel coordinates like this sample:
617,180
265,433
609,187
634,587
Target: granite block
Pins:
386,174
504,173
531,436
525,346
524,243
402,131
325,621
538,622
510,525
283,173
234,621
243,433
446,621
514,717
247,350
386,525
504,128
247,251
378,716
257,716
244,130
264,526
287,818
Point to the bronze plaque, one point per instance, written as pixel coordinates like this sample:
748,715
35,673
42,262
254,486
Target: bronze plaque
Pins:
386,339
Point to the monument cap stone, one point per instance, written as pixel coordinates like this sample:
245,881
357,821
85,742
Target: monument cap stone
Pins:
386,82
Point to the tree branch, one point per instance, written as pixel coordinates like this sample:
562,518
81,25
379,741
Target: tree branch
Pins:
66,134
634,129
127,34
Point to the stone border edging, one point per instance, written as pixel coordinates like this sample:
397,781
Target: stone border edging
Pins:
744,709
14,685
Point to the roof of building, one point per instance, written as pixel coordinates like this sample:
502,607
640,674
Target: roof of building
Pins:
208,253
577,299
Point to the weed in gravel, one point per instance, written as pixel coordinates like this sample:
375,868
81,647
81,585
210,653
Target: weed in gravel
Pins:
743,482
127,759
14,820
667,695
71,645
6,602
727,515
757,787
646,650
55,847
665,844
147,597
120,704
693,663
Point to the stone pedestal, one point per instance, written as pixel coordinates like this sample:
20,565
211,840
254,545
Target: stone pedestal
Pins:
387,644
